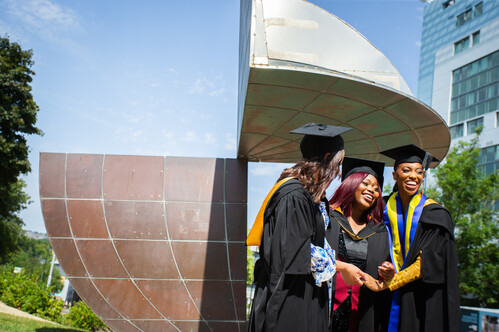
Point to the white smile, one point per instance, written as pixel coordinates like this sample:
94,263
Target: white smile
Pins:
411,185
368,197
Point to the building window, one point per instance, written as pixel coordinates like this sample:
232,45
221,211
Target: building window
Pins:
472,125
475,89
462,45
489,159
456,131
463,18
478,9
492,104
448,3
475,38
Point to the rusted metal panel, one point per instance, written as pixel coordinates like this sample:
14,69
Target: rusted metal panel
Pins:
159,242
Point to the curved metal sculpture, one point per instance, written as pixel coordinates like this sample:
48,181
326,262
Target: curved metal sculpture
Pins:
300,64
150,243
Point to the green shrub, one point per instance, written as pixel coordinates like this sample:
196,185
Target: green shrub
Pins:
21,291
34,256
82,317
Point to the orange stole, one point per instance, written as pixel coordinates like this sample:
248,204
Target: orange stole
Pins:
255,235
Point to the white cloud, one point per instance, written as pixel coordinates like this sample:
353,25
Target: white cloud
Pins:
212,87
43,14
200,86
169,144
209,138
44,20
136,135
167,134
190,136
132,118
129,135
217,92
230,142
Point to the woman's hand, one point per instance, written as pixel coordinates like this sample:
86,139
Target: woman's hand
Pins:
373,284
386,270
350,274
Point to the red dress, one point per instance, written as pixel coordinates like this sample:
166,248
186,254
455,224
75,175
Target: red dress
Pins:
349,296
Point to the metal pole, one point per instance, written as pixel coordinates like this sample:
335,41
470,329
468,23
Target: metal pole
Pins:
51,269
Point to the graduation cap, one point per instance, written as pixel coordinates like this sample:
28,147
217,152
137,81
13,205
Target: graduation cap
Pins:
356,165
410,154
320,139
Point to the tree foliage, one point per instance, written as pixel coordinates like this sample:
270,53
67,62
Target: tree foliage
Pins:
18,113
21,291
470,195
13,199
250,268
250,265
34,257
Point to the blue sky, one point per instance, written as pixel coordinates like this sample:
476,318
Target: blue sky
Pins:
160,77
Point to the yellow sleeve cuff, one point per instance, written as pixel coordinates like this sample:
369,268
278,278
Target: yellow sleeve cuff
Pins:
405,276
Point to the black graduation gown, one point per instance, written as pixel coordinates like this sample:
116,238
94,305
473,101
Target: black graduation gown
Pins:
374,307
432,302
286,297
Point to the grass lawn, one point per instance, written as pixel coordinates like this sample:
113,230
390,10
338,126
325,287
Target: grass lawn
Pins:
11,323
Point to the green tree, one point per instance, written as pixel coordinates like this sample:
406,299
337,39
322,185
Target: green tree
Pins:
250,267
13,199
18,113
22,291
34,256
470,195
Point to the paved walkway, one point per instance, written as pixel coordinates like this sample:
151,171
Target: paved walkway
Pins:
13,311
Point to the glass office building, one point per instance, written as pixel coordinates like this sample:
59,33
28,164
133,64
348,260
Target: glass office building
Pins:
459,70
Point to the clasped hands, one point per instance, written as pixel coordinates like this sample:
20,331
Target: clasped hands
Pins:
352,275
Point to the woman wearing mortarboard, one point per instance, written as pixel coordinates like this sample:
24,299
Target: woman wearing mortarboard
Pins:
421,234
358,235
293,274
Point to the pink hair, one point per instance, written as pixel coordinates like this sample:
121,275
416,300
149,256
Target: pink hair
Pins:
344,196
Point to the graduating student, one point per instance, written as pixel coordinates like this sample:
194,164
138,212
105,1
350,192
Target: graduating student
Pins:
421,234
293,274
358,235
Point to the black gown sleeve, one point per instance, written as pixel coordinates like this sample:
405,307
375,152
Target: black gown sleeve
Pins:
437,247
294,228
432,303
439,267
